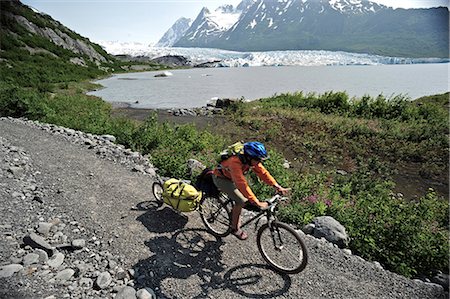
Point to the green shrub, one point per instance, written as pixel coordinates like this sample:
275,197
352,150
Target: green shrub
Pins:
19,102
170,146
407,237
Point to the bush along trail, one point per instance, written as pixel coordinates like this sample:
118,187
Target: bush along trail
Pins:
73,226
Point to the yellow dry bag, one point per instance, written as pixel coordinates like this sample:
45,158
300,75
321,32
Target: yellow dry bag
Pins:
180,195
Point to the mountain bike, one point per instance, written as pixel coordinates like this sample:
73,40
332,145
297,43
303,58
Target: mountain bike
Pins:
279,244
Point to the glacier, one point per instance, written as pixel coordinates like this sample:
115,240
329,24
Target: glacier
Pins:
224,58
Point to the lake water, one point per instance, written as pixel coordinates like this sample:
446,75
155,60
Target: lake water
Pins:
196,87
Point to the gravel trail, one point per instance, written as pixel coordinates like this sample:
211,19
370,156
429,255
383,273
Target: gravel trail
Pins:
87,199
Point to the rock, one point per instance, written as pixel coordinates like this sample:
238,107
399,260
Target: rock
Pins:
64,275
44,228
15,260
224,103
16,194
109,138
103,280
195,167
31,258
78,243
56,260
151,171
441,279
86,282
164,74
347,251
378,265
341,172
16,171
330,229
36,241
309,228
43,256
9,270
126,293
121,274
146,293
139,168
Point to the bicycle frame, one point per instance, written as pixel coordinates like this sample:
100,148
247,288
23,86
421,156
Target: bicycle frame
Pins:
269,213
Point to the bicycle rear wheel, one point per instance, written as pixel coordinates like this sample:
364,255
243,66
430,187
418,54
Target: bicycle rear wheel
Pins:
157,190
282,248
216,216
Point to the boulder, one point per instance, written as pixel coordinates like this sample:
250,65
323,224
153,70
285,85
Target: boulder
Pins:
329,228
195,167
441,279
163,74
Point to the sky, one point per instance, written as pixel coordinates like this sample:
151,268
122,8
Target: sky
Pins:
146,21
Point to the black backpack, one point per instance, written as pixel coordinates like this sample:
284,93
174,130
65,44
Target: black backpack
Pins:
205,183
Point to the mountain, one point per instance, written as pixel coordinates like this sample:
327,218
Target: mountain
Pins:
210,26
15,15
358,26
174,33
38,51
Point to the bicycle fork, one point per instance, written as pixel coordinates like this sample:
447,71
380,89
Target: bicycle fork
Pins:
275,234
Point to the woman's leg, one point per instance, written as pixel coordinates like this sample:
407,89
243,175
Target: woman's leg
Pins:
229,188
236,217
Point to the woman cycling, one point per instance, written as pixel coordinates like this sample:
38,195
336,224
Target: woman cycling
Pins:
229,177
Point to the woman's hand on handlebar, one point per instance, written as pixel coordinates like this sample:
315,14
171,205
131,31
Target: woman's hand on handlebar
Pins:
263,205
282,190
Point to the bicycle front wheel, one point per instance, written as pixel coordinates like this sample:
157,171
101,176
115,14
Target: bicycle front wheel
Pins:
282,247
157,189
216,216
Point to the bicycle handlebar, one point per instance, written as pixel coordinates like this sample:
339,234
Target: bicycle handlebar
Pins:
275,200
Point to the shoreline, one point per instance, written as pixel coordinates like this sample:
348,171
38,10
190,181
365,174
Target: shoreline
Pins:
121,109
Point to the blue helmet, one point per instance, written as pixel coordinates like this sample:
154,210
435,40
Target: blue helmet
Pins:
255,150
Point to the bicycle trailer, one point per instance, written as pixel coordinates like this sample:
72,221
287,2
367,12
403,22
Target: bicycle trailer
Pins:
181,196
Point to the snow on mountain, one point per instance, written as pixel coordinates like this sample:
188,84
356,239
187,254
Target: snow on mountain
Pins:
174,33
224,17
355,6
210,25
